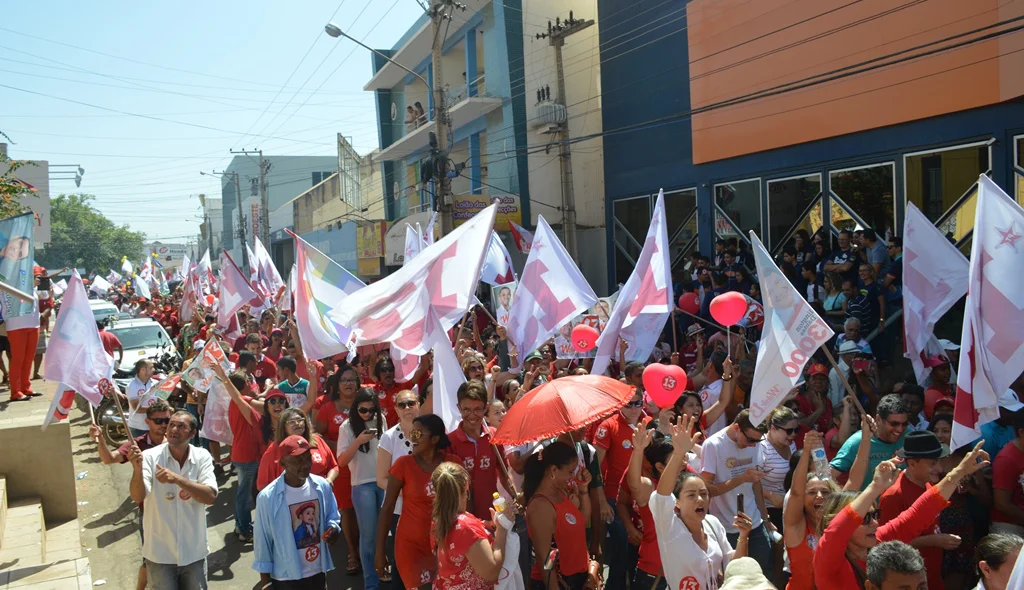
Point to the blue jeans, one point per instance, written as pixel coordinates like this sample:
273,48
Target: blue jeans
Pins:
168,576
196,440
615,546
366,499
244,497
759,547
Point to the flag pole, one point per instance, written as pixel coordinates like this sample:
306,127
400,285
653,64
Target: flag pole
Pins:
488,312
675,339
842,377
92,413
712,324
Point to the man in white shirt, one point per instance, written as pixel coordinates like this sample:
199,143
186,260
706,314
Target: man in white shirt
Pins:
136,394
836,390
712,389
175,483
732,465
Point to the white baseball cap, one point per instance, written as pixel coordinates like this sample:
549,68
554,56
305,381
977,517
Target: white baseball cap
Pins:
1010,401
949,344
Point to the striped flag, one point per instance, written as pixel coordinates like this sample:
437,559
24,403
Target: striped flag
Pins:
320,287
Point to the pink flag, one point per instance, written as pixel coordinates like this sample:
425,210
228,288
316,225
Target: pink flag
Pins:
497,268
644,302
74,353
265,273
934,278
792,333
189,297
442,280
551,292
522,237
235,292
992,351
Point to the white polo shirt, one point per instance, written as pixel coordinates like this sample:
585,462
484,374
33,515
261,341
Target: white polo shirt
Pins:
175,523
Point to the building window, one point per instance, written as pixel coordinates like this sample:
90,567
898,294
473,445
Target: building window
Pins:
791,206
319,177
632,220
738,208
943,184
1018,168
863,197
681,219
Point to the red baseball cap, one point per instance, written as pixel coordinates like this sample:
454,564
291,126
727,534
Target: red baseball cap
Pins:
936,361
929,409
292,446
817,369
275,392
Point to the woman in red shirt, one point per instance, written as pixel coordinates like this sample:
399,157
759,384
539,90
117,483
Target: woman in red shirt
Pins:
410,477
651,452
849,525
294,422
460,538
341,393
556,516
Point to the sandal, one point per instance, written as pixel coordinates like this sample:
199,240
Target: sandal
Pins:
354,567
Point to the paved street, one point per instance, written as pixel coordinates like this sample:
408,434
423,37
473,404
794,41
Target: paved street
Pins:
111,538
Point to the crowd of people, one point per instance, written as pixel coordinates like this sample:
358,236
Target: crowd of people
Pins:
819,495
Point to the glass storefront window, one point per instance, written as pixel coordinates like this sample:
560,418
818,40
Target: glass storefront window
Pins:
936,181
788,203
632,220
865,198
681,216
1018,169
740,203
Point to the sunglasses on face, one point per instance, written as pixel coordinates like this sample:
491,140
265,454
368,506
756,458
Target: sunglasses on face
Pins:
476,367
350,380
387,369
789,431
406,405
160,421
297,422
759,438
870,516
274,401
367,411
903,424
635,405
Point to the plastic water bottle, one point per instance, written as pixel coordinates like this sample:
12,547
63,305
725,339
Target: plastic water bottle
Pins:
821,465
499,503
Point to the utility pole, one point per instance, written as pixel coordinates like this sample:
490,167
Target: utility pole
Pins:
264,199
556,35
440,147
241,216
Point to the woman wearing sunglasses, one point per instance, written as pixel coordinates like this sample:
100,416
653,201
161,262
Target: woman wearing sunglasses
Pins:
357,449
409,478
778,447
849,522
294,422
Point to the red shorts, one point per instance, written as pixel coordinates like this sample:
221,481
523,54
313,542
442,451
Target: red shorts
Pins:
45,304
343,488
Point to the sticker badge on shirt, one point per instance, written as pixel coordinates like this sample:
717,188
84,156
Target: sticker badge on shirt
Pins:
689,583
184,495
602,432
316,456
306,524
626,444
381,395
338,418
569,518
312,553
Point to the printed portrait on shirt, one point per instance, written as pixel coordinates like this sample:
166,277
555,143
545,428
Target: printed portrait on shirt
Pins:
306,523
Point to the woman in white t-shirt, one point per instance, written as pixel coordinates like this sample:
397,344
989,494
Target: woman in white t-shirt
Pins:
357,448
693,541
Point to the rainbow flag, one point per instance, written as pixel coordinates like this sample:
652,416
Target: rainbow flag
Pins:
321,285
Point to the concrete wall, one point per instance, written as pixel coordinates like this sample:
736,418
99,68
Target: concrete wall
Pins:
39,463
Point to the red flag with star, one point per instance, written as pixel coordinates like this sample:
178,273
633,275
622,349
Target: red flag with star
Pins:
992,350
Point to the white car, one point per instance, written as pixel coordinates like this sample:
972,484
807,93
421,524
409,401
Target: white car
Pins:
102,309
141,338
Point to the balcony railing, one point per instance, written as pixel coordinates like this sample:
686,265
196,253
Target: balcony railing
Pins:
452,98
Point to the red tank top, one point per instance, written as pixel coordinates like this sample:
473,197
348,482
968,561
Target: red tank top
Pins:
650,555
801,560
570,537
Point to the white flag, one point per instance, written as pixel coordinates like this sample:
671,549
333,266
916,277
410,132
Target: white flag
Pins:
99,285
235,292
497,268
644,302
992,352
934,279
141,287
551,292
74,353
792,332
448,376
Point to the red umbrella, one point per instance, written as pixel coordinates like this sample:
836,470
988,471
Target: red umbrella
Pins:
562,405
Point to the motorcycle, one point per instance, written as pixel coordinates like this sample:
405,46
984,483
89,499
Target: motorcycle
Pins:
115,431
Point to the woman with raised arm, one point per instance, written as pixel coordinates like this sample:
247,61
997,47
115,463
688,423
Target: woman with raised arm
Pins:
849,524
654,449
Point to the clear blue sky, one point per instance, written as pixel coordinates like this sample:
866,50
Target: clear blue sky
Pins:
212,72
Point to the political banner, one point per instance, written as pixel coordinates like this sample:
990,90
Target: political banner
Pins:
16,266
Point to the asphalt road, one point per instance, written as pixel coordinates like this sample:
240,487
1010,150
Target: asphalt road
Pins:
110,535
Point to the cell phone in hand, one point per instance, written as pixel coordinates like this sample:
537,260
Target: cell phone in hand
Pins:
739,503
861,364
372,431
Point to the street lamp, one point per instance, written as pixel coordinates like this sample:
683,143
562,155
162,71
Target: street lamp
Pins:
78,172
335,31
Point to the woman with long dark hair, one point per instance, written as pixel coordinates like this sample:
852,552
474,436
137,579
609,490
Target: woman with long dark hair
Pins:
395,443
557,513
293,421
341,390
651,453
409,478
357,449
461,538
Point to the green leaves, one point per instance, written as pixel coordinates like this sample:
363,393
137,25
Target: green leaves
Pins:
81,237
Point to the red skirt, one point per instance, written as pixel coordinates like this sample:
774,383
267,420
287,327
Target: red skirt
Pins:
343,488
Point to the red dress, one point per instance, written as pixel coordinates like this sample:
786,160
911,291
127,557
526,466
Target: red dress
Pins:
330,415
453,569
413,555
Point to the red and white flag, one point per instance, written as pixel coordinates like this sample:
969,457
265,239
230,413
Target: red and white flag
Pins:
497,268
522,237
263,274
792,332
60,406
235,292
552,292
442,280
190,295
992,350
644,302
74,353
934,279
406,364
205,270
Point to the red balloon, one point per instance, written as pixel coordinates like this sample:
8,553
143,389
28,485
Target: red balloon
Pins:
584,337
689,302
664,383
210,299
729,308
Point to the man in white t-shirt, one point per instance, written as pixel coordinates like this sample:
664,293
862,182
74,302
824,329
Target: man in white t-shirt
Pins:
137,400
712,389
732,466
